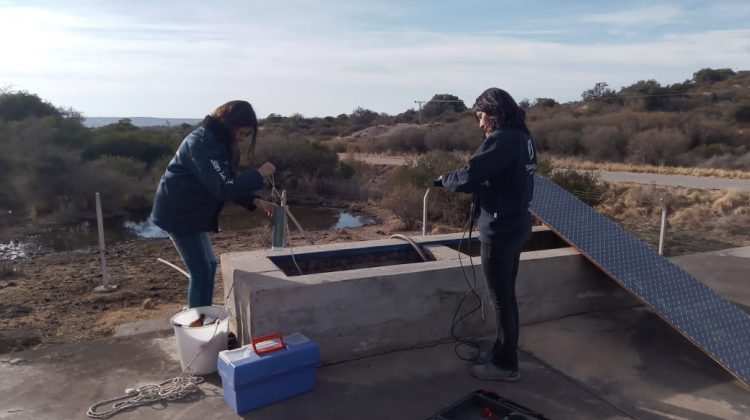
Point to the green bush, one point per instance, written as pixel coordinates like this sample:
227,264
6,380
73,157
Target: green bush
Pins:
129,146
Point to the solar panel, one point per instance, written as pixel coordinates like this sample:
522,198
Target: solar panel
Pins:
713,324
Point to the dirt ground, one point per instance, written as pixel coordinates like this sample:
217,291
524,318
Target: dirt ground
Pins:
51,299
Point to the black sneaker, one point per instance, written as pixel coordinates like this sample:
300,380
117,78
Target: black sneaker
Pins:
490,372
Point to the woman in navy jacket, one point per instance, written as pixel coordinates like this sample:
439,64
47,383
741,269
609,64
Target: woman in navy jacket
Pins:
500,174
199,179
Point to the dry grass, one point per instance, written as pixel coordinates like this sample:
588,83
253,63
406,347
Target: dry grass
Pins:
9,270
698,220
571,163
111,319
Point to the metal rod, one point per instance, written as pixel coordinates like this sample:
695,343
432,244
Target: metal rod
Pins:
279,224
663,230
105,287
296,223
424,213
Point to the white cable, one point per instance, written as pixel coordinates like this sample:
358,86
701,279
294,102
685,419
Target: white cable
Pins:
291,251
185,273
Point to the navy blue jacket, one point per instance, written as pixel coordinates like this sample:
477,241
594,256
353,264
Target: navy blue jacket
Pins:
501,177
197,183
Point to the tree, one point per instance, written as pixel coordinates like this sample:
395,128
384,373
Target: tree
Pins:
648,92
362,117
712,75
544,103
274,118
18,106
600,90
442,104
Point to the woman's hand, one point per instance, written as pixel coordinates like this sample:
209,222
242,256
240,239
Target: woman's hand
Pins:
266,206
267,169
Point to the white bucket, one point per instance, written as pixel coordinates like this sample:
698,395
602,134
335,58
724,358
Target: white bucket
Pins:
197,342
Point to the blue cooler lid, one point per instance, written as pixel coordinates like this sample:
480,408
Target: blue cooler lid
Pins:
244,366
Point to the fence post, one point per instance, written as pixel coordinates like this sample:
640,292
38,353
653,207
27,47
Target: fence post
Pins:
105,287
424,212
663,200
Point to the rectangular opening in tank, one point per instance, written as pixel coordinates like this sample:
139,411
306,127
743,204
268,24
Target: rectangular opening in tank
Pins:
540,240
347,259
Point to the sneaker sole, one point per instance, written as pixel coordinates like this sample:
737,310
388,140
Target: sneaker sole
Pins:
514,378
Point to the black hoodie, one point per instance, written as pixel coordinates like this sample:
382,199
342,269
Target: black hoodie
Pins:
500,174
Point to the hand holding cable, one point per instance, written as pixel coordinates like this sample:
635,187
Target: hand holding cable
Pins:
267,169
266,206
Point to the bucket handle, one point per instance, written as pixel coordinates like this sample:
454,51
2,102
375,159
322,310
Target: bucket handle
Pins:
277,346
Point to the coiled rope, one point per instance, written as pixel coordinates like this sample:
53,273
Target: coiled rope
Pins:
177,388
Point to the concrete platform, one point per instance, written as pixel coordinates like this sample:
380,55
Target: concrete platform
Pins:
623,363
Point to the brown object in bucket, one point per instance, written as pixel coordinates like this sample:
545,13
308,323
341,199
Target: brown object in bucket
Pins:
198,322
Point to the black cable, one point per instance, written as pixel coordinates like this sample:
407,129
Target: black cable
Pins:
456,318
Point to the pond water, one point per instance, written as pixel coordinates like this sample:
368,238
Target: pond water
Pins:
82,235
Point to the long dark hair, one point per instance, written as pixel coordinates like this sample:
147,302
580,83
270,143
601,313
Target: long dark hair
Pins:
228,118
502,109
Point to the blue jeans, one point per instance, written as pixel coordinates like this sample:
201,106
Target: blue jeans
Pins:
500,267
195,250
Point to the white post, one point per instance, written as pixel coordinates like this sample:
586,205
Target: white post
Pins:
424,213
105,287
663,230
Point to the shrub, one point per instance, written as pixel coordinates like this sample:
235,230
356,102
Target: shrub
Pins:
741,112
547,131
410,139
604,143
564,142
8,270
296,156
730,201
582,184
658,147
128,144
405,201
461,135
708,131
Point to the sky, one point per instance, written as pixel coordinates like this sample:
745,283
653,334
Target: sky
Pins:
183,58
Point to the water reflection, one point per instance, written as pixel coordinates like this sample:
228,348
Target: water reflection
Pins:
84,235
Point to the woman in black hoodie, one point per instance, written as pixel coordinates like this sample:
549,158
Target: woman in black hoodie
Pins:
500,174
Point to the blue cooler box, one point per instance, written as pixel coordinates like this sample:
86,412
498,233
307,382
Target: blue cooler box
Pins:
270,369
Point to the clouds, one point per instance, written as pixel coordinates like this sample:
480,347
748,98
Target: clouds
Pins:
180,59
650,15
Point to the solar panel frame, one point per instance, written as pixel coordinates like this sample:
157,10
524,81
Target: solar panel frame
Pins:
716,326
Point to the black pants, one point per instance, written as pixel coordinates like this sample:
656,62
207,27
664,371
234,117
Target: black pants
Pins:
500,267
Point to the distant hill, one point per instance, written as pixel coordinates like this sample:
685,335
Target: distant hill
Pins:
139,121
